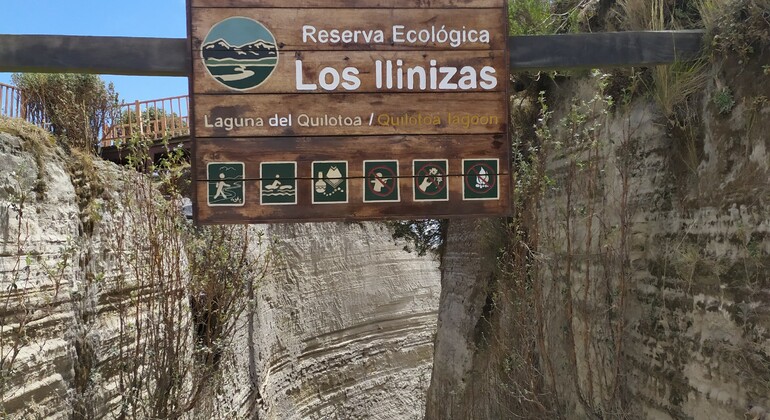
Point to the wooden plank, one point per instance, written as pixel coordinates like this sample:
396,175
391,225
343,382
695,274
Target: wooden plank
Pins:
401,4
304,151
372,114
327,105
94,54
169,56
348,147
287,27
604,49
283,80
195,160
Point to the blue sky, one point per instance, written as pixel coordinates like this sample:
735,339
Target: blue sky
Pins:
141,18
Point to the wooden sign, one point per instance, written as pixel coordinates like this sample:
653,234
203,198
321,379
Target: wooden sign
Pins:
349,110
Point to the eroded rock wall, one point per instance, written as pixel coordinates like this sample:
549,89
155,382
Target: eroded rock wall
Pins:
59,283
96,320
36,354
345,327
649,268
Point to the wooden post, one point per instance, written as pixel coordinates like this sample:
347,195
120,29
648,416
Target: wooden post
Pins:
170,57
156,120
94,54
23,105
127,135
164,121
139,121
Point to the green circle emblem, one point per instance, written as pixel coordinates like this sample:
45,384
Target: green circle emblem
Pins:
240,53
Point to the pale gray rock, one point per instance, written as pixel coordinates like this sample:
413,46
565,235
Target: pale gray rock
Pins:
344,329
651,265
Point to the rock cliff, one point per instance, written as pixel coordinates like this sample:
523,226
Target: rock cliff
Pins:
637,279
100,304
345,327
37,360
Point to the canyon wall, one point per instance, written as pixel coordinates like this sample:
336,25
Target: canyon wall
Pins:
101,310
643,257
344,328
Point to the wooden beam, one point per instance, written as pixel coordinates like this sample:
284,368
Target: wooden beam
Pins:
169,56
603,49
94,54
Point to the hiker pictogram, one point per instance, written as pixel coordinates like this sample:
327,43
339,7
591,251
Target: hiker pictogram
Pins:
225,185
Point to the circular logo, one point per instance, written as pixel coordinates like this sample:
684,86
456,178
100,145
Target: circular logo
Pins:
240,53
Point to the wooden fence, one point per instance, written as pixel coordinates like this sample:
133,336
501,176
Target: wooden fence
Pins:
14,105
150,120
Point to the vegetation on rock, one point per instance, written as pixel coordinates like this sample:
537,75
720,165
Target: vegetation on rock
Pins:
75,107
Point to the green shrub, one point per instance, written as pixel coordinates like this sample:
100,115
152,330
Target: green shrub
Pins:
530,17
724,101
737,26
75,107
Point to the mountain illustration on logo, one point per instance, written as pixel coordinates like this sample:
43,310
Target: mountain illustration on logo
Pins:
239,53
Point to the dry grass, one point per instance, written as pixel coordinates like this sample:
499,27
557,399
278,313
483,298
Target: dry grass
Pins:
38,142
674,84
35,135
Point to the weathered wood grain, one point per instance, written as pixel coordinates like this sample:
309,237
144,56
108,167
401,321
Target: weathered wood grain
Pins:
169,56
286,25
354,150
607,49
283,78
403,4
357,148
94,54
375,107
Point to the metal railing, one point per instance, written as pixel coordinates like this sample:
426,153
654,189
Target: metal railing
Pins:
149,120
13,105
11,101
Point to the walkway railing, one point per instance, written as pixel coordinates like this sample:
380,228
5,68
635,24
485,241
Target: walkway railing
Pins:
150,120
10,101
12,104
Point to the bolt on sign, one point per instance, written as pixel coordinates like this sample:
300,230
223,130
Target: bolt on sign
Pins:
313,110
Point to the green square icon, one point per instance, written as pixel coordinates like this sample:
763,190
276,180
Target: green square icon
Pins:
430,180
330,182
225,184
279,183
381,183
481,179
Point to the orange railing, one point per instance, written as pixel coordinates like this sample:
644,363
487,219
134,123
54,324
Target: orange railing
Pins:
150,120
153,119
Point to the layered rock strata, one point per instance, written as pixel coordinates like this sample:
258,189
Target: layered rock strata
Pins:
647,278
345,327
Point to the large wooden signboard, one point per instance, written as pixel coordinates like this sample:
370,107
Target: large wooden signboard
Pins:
311,110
